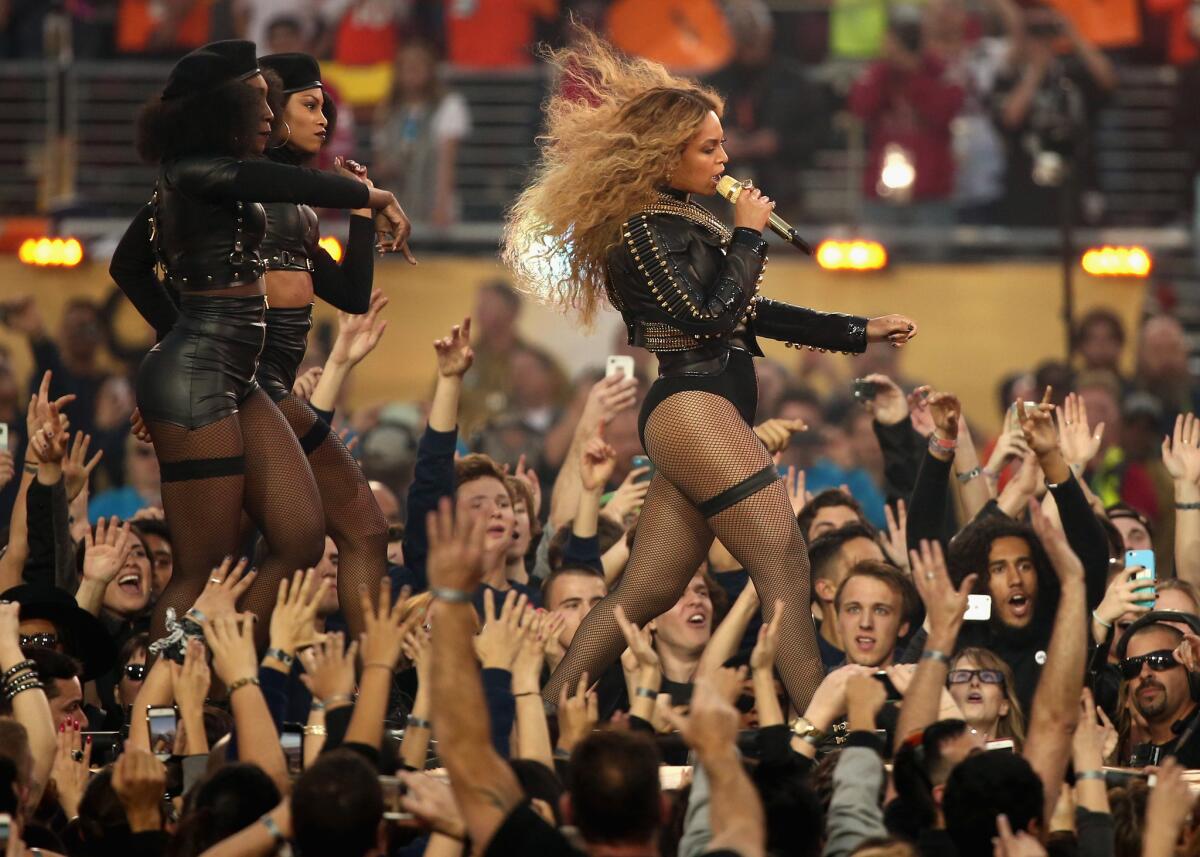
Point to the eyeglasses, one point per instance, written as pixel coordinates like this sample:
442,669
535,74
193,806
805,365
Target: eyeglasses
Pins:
48,641
135,672
965,676
1158,661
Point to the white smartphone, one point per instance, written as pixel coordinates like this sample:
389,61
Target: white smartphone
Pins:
1006,746
622,363
979,608
162,721
4,437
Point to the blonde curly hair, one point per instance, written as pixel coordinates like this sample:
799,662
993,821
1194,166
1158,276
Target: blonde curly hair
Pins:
615,128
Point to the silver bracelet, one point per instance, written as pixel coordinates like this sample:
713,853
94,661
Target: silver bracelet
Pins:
451,596
964,478
1089,775
935,655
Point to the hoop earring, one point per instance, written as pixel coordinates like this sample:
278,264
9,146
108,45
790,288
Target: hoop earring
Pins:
285,139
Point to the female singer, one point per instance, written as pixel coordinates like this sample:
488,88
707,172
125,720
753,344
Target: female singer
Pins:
296,269
609,212
221,443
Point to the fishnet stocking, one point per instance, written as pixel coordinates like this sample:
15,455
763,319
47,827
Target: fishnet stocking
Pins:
701,446
281,497
203,515
352,517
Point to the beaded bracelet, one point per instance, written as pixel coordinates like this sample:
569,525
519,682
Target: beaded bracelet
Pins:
23,675
316,729
12,692
11,671
1187,507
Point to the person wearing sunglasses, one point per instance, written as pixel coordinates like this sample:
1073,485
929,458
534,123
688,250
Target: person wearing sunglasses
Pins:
1160,692
131,670
981,685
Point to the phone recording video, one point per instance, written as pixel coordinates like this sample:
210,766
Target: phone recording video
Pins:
162,722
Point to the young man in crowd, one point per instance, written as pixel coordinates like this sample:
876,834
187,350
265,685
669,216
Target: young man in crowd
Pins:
831,557
874,607
572,593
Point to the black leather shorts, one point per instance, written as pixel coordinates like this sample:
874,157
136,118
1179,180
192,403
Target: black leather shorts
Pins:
283,351
204,368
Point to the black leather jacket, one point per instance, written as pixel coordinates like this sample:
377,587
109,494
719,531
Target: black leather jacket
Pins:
680,286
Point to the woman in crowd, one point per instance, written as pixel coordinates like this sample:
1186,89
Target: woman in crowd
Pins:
417,134
221,443
981,685
609,212
298,268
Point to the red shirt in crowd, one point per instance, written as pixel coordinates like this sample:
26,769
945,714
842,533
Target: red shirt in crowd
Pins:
493,33
912,109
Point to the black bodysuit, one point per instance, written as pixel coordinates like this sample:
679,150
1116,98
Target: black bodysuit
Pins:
204,228
687,288
292,243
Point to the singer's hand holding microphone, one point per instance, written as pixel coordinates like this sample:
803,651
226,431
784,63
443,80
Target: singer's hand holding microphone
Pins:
752,209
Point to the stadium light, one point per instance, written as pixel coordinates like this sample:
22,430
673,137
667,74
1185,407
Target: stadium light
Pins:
1117,262
332,246
852,255
51,252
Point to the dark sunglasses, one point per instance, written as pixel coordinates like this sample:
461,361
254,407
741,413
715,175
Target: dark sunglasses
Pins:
48,641
135,672
1158,661
965,676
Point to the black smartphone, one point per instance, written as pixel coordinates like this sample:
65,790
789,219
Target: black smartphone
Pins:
864,390
106,746
1145,755
893,695
291,739
640,461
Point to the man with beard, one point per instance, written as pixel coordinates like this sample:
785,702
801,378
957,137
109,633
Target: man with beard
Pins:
1160,692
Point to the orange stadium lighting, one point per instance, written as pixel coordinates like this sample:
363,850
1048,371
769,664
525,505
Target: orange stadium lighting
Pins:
852,255
51,252
1117,262
332,246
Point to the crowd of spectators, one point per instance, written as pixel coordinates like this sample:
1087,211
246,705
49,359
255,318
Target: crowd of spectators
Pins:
971,111
1031,726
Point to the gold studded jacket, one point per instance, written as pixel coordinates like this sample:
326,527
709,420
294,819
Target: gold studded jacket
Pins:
683,280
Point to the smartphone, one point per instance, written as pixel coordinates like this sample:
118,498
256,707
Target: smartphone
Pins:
1004,746
393,789
162,723
4,437
622,363
893,695
864,390
5,830
291,739
979,608
106,746
1145,560
640,461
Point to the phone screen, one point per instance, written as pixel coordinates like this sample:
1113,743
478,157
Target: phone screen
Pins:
640,461
162,730
293,750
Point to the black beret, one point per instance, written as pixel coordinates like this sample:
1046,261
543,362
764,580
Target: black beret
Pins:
297,71
210,66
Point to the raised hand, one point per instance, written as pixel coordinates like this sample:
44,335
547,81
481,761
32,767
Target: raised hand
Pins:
454,352
531,656
640,653
529,476
70,772
231,640
577,715
306,383
138,779
455,549
1122,596
40,405
1038,426
796,485
629,496
777,434
609,396
49,443
1181,451
944,605
597,461
296,610
417,648
1188,652
1093,735
890,405
227,583
191,682
1167,810
865,698
893,329
497,644
767,645
945,411
8,467
104,553
137,427
1008,844
711,725
386,627
329,668
432,801
1078,442
895,542
77,468
918,414
358,335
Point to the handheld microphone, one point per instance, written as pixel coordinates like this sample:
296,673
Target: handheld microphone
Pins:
731,189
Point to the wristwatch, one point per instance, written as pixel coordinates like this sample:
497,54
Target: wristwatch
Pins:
803,729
